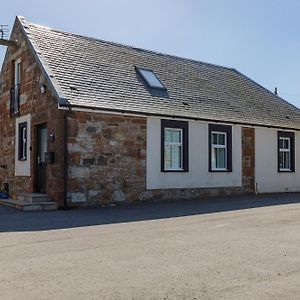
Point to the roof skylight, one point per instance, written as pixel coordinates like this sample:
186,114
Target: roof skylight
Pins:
151,79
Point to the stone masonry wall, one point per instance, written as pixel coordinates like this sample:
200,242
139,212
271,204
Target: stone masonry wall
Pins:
107,158
248,161
43,109
107,162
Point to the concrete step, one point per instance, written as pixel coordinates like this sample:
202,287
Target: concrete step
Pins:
25,206
33,197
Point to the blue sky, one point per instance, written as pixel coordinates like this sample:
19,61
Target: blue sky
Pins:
259,38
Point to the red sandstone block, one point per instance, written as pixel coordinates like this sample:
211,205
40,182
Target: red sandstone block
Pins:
139,120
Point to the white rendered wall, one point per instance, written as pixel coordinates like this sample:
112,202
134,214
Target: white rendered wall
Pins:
22,167
267,177
198,175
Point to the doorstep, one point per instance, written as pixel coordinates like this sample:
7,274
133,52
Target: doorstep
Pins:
25,206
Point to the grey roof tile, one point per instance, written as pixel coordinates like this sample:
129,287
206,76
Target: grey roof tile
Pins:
104,76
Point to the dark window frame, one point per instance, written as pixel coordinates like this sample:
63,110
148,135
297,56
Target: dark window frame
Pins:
22,145
222,129
184,126
291,136
163,88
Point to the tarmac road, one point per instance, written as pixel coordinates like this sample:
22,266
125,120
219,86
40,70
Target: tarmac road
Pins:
241,248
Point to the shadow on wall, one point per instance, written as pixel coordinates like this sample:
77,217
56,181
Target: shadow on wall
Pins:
12,220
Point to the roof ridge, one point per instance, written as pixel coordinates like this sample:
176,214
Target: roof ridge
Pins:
129,46
267,90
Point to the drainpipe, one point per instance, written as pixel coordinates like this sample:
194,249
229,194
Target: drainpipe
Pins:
66,161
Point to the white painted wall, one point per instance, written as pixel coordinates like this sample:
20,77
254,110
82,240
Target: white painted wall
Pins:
22,168
268,179
198,175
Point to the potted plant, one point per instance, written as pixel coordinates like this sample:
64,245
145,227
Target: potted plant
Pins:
3,194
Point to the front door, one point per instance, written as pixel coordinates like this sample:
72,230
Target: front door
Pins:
41,149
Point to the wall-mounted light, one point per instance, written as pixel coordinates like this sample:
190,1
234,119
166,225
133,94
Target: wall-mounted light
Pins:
52,137
43,89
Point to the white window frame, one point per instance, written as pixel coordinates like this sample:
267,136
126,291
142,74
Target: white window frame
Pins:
285,150
23,167
24,144
179,144
218,146
16,87
18,71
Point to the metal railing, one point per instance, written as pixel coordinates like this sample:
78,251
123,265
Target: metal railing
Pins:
15,100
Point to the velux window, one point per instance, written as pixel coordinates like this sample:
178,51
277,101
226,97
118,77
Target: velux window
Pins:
174,146
22,141
220,148
286,159
151,79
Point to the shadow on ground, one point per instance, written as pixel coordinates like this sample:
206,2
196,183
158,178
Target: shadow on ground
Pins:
13,221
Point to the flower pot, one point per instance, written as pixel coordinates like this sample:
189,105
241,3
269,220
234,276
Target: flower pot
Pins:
3,195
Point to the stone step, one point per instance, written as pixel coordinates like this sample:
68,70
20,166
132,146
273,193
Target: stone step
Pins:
25,206
32,197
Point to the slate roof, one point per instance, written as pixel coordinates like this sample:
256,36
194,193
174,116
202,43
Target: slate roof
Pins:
99,74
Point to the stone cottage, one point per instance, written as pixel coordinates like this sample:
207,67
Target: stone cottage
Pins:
88,121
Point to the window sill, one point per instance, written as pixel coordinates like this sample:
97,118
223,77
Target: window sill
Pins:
220,170
173,170
285,171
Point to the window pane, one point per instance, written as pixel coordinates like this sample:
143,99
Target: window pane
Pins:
280,143
167,157
168,135
221,140
286,144
176,157
176,136
213,158
43,137
281,159
286,160
18,73
173,157
220,158
151,78
218,138
215,138
172,136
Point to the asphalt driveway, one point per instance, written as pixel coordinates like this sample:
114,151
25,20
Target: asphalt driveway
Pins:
241,248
